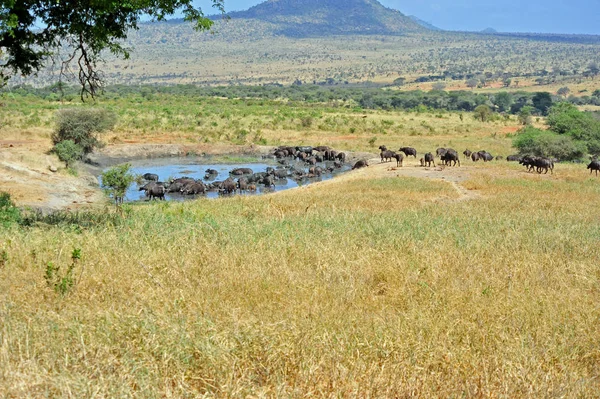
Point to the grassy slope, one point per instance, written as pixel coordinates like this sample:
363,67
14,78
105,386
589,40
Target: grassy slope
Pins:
369,285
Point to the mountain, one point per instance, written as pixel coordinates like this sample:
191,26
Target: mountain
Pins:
489,30
424,23
310,18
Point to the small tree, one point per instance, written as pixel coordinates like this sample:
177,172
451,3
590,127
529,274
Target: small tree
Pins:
482,113
525,115
82,125
439,86
506,82
68,152
472,83
563,91
116,181
9,213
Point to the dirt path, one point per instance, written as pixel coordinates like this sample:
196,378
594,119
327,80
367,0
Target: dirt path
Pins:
411,168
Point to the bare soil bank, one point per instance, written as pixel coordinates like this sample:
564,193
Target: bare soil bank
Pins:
27,176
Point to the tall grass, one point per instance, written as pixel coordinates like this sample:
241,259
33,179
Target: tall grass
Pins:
358,288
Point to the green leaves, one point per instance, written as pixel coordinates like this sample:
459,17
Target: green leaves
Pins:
87,28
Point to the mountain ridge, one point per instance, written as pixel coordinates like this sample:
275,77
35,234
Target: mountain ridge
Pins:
305,18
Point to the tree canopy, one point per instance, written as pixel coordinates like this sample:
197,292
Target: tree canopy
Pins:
31,31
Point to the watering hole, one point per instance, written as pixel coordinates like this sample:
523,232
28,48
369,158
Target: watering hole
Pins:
173,168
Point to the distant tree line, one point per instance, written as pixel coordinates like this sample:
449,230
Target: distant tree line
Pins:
365,97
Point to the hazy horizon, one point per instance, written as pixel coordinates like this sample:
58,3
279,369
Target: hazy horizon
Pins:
538,16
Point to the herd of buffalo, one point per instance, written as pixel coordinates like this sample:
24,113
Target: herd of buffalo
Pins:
450,157
306,162
301,163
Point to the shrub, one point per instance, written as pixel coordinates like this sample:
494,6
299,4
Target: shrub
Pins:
9,213
68,152
548,144
482,113
82,125
117,180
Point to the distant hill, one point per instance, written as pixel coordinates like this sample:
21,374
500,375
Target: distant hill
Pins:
424,24
311,18
489,30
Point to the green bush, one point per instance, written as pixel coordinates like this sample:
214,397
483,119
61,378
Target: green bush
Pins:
82,125
548,144
9,213
117,180
68,152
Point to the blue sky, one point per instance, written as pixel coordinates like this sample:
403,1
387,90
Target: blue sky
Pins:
544,16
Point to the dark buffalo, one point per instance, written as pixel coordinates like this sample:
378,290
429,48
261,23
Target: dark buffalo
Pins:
305,149
177,184
360,164
256,177
150,176
475,156
280,154
228,187
399,159
440,152
242,184
268,181
513,158
528,162
467,153
157,191
280,173
315,170
409,151
386,156
451,156
486,156
428,159
382,148
322,148
241,171
543,164
337,164
594,166
319,157
194,188
341,157
311,161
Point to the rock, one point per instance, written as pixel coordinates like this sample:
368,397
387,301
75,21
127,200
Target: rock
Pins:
52,168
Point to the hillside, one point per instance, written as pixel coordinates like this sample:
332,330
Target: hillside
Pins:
424,24
301,18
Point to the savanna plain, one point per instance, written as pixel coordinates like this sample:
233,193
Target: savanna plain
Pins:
475,281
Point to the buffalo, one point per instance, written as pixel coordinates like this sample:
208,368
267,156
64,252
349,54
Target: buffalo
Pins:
341,157
360,164
451,156
594,166
386,156
513,158
241,171
467,153
150,176
428,159
399,159
156,191
440,152
409,151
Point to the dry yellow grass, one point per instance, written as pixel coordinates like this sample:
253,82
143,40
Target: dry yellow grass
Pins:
380,283
367,286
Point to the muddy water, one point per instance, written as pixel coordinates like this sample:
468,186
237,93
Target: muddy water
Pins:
167,169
